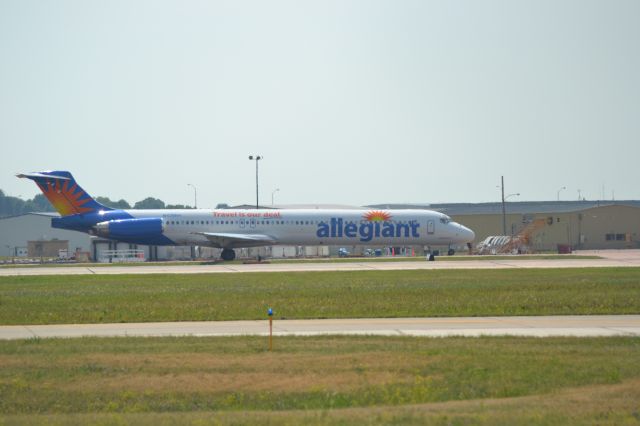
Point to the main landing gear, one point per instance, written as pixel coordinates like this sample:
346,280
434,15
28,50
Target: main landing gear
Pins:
228,254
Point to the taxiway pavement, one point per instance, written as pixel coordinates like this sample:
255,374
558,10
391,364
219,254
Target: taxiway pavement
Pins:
538,326
609,258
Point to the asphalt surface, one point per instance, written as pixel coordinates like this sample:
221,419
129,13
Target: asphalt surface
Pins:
610,258
541,326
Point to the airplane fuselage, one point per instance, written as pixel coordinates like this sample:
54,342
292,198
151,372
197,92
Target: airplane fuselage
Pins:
291,227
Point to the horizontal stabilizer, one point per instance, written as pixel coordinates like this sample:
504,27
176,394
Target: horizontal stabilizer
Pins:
36,175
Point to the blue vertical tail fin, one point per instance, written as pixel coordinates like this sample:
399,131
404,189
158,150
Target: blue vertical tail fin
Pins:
64,194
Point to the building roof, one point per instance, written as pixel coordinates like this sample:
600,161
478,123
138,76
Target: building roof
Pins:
452,209
43,214
515,207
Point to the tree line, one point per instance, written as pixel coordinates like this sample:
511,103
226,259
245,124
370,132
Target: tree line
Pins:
14,206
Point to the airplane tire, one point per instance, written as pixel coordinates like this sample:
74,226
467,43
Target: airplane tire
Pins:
451,252
228,254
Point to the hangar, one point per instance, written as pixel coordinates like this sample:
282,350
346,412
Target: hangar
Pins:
32,230
31,235
580,225
583,225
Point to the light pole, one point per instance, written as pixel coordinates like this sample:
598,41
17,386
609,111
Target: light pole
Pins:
504,212
564,187
272,194
504,208
517,194
195,195
257,158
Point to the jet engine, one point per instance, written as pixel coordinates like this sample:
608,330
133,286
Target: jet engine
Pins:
130,228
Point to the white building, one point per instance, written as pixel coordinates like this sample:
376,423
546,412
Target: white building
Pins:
17,231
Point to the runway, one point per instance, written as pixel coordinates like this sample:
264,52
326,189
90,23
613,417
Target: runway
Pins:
539,326
610,258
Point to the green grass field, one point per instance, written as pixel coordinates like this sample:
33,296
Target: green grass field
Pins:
421,293
320,380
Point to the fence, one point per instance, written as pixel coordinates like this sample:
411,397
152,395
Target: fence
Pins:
121,256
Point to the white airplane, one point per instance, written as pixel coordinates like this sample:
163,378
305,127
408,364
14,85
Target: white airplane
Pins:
229,229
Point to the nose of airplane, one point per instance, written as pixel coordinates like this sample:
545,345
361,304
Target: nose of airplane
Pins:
468,234
464,234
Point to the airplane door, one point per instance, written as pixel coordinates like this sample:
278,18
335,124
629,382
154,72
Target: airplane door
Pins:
252,223
242,223
431,227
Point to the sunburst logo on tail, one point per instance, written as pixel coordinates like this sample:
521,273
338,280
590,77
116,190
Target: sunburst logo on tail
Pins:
377,216
66,197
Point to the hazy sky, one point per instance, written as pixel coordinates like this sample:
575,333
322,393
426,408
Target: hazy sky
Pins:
350,102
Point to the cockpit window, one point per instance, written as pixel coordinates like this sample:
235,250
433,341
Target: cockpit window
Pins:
445,219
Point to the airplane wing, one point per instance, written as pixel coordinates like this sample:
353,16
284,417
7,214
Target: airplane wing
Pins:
228,240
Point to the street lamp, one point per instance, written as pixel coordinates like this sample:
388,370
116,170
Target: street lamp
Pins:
564,187
257,158
195,195
504,208
504,213
272,194
517,194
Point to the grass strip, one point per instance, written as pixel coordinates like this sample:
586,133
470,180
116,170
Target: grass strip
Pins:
588,405
92,376
299,295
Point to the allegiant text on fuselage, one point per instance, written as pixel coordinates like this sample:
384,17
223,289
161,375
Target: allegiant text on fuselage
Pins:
338,228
